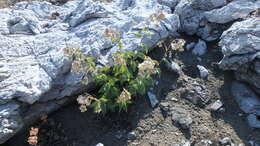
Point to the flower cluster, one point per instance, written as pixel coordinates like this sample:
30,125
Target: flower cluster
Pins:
124,96
33,138
119,59
147,66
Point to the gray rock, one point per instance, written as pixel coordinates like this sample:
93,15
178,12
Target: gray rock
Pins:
204,142
169,3
184,143
241,48
200,48
131,135
203,71
247,100
100,144
11,121
190,46
181,117
226,141
172,66
253,121
152,98
33,66
234,10
216,105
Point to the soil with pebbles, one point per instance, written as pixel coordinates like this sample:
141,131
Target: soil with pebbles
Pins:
146,126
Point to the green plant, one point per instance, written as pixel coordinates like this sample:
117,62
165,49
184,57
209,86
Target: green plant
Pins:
130,76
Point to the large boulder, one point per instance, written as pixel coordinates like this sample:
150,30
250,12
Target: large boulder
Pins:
241,48
35,72
208,18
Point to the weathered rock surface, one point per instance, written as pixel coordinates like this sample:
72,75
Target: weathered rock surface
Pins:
33,67
241,48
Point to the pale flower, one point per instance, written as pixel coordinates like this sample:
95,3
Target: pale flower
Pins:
34,131
33,140
124,96
83,108
147,66
85,99
119,59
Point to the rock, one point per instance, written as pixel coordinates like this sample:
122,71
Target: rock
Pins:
181,117
172,66
131,135
11,121
204,142
200,48
253,121
241,48
226,141
100,144
203,71
234,10
247,100
216,106
33,66
190,46
169,3
184,143
152,98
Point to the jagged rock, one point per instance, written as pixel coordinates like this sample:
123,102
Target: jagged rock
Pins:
200,48
172,66
203,71
234,10
33,67
241,48
190,46
216,106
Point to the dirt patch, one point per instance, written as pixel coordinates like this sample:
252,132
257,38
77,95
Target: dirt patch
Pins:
144,126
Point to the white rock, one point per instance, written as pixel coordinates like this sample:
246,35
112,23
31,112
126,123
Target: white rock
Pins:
203,71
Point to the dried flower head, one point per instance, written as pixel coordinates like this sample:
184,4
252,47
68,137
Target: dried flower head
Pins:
147,66
34,131
156,17
124,96
111,34
33,140
119,59
85,99
83,108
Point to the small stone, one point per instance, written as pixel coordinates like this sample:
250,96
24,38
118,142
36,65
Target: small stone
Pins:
216,106
203,71
100,144
190,46
131,135
253,121
204,142
182,117
153,131
172,66
153,99
184,143
174,99
226,141
200,48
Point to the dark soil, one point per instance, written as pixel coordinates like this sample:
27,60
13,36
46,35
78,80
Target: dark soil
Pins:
70,127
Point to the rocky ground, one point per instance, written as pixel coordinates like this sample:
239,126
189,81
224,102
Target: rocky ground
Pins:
184,115
196,102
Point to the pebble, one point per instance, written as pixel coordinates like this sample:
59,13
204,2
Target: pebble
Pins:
226,141
216,106
131,135
203,71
